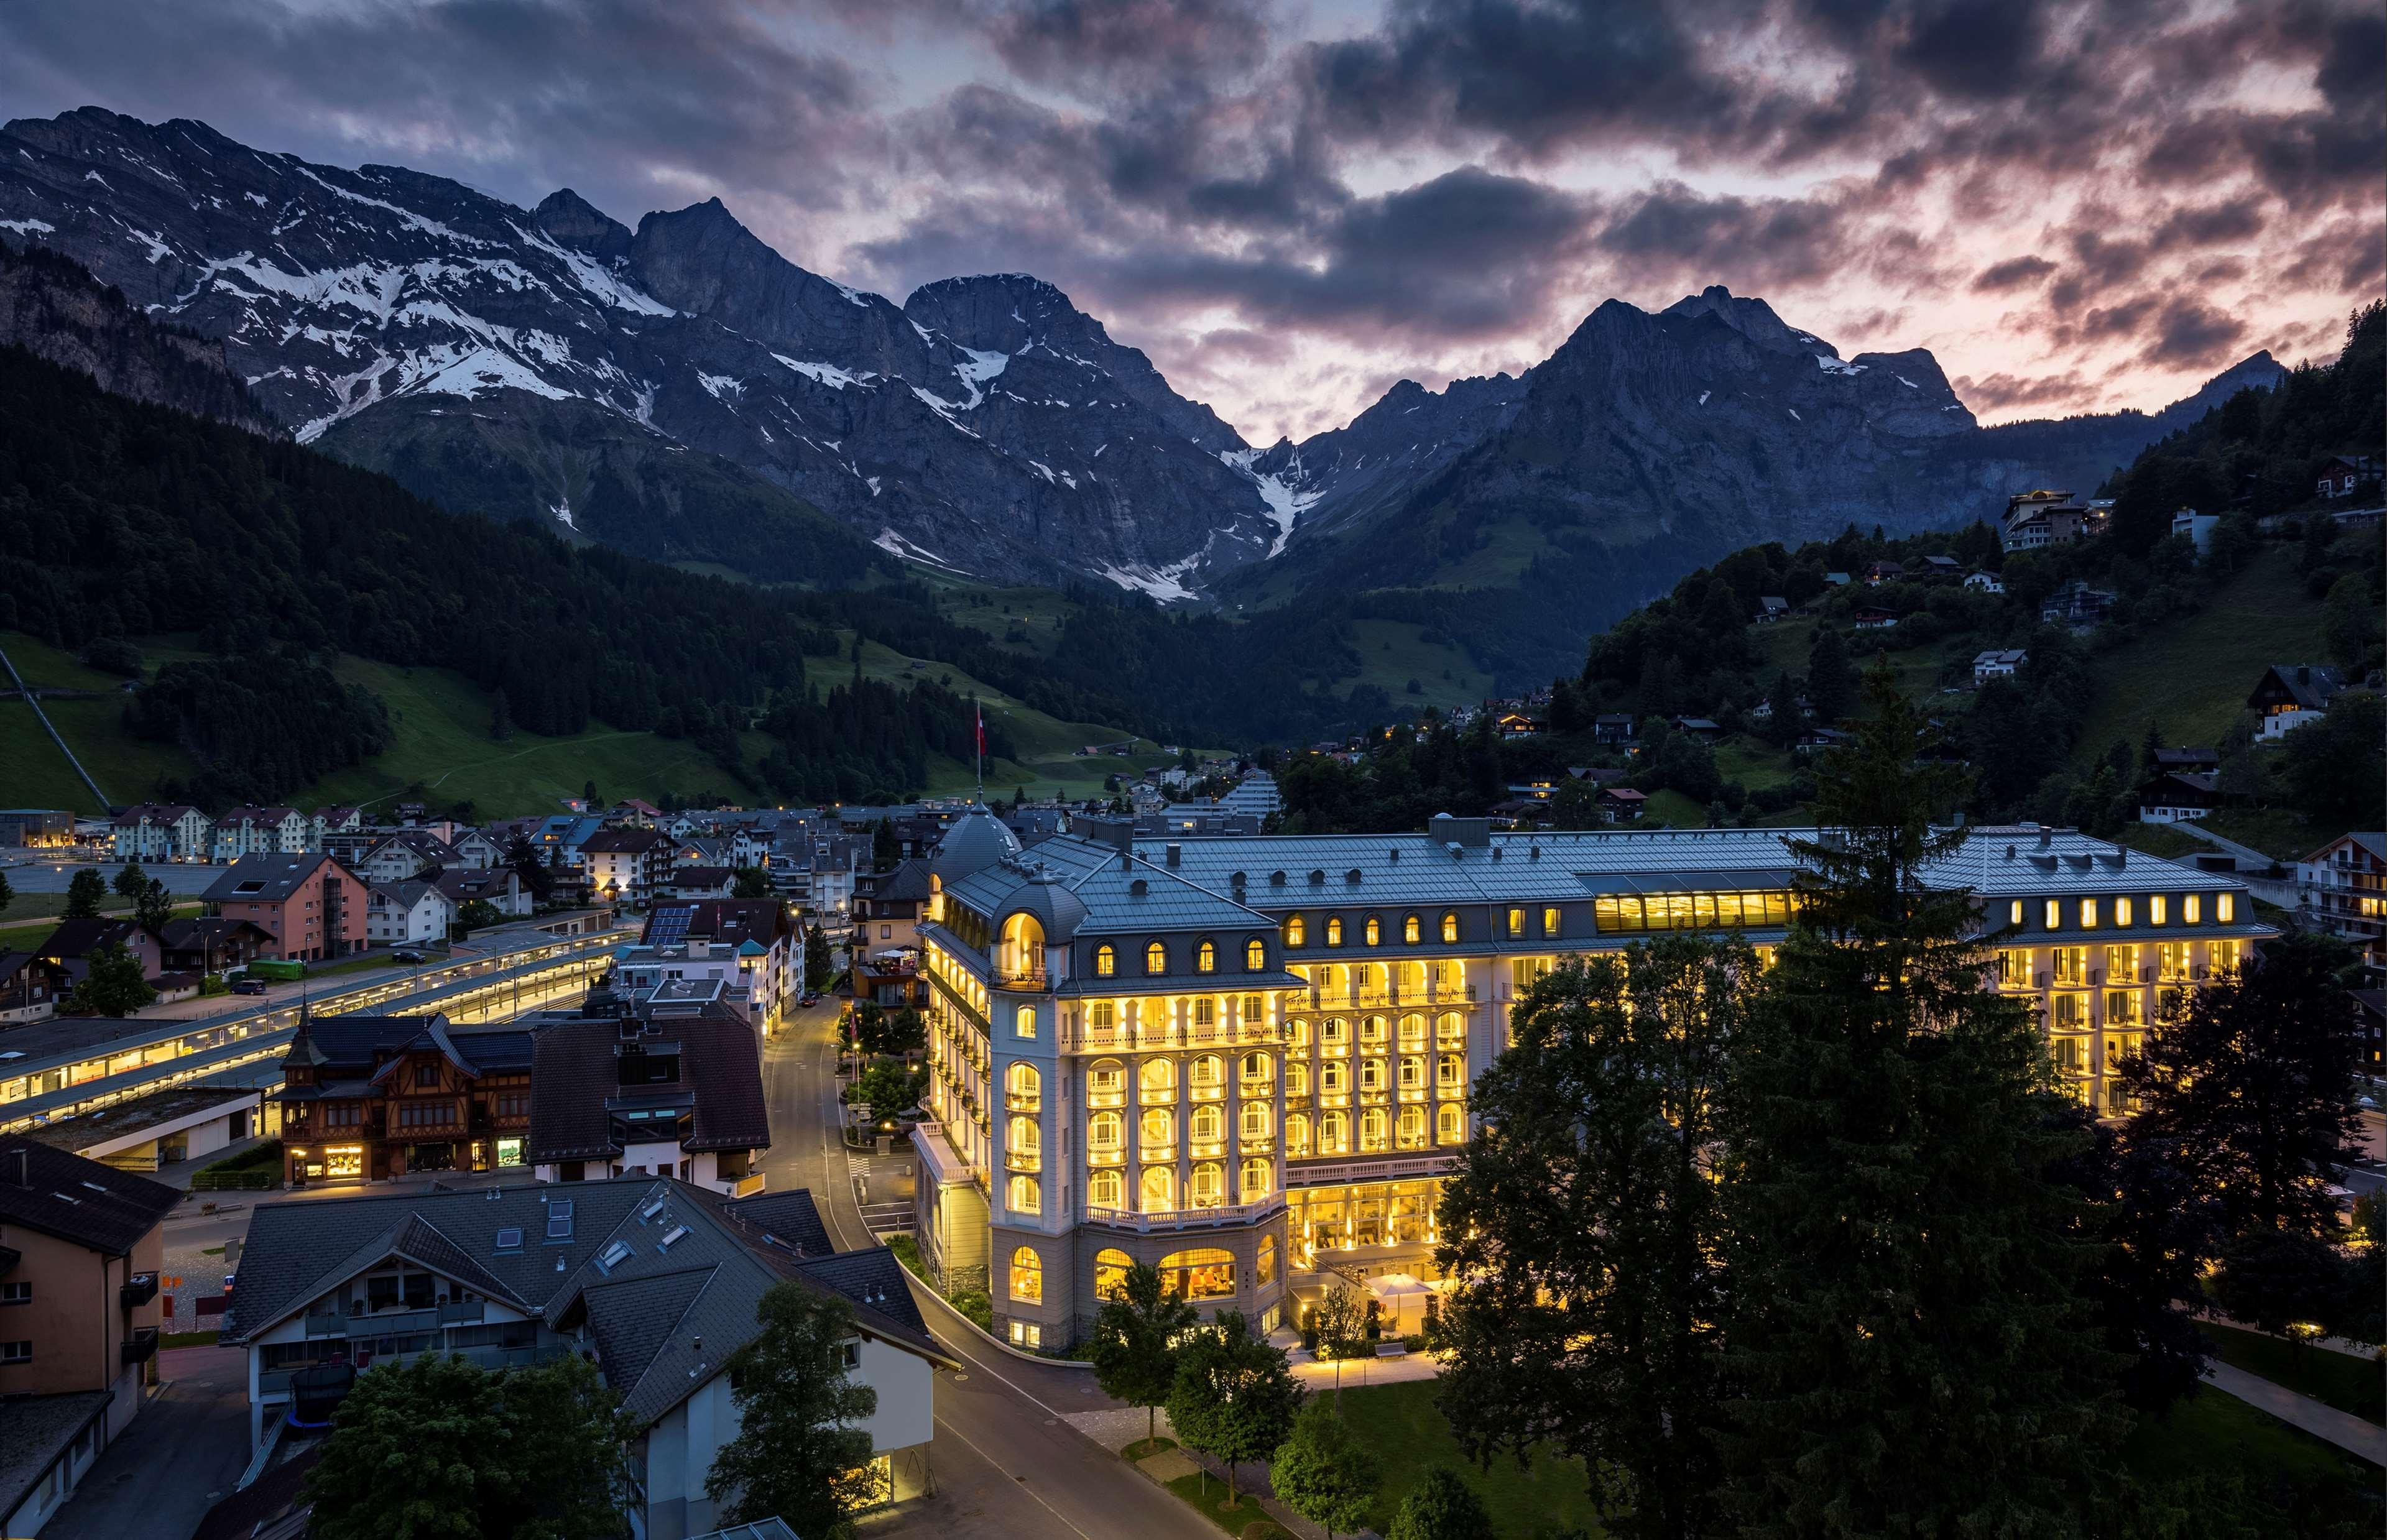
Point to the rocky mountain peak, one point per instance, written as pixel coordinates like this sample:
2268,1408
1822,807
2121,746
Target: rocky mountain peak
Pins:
573,223
1753,319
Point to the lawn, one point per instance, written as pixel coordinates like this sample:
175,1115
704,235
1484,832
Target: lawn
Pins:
2280,833
1670,810
1208,1496
2339,1380
2161,839
1393,652
2191,675
1402,1427
2214,1437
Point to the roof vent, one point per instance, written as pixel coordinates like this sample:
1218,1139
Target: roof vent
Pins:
1317,878
1276,879
1392,854
1139,887
1352,876
1176,854
1235,879
1533,852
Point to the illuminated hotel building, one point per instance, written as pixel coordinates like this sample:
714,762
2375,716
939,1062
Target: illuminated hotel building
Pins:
1245,1059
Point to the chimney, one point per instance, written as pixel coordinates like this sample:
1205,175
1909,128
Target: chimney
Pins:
1175,852
17,1167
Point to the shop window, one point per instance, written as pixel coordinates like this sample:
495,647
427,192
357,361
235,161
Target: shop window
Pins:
1110,1272
1199,1275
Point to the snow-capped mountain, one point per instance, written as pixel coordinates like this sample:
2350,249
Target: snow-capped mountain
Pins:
527,361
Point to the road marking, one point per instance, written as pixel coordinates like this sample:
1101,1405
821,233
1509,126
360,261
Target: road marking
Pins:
1020,1480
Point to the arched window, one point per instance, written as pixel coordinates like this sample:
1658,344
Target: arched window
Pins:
1157,1080
1106,1084
1023,1144
1412,1073
1371,1075
1208,1076
1158,1192
1256,1072
1450,924
1256,1179
1156,1134
1110,1272
1412,1031
1372,1032
1450,1123
1107,1190
1254,955
1021,952
1209,1124
1335,1133
1105,1136
1296,933
1155,958
1375,1130
1373,930
1206,957
1208,1274
1449,1029
1449,1074
1023,1022
1027,1276
1023,1088
1106,960
1254,1124
1267,1266
1208,1184
1334,1034
1412,1128
1333,1078
1411,931
1296,1078
1026,1197
1335,930
1297,1135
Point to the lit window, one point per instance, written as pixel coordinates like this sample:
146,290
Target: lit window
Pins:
1295,932
1335,1133
1104,1131
1208,1184
2192,909
2224,907
1267,1266
1105,1189
1375,1130
1110,1267
2087,913
1026,1276
1516,922
1335,931
1159,1189
2055,914
1450,926
1450,1124
1106,961
1374,930
1158,1080
1023,1022
1296,1136
2014,915
1254,955
1209,1124
1026,1197
2158,910
1205,959
2123,913
1155,958
1411,930
1550,921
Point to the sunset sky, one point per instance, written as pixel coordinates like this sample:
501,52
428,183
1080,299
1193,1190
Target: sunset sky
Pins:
2075,206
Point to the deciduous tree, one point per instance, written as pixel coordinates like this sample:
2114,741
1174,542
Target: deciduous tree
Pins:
1136,1334
1322,1472
85,893
1234,1397
113,986
800,1454
1441,1507
1585,1225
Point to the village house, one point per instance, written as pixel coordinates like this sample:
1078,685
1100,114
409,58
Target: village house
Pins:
152,832
2036,519
1880,573
697,882
1621,804
369,1097
71,945
205,944
1612,728
81,1245
2178,797
763,944
654,1280
2196,528
2290,696
1984,582
406,854
312,906
2076,605
2342,888
1998,663
30,987
1771,607
2342,475
625,1086
262,831
625,865
402,913
499,886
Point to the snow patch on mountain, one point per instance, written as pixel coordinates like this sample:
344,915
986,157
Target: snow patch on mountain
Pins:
1285,504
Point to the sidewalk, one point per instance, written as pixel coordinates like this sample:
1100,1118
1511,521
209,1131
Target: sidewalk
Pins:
2348,1431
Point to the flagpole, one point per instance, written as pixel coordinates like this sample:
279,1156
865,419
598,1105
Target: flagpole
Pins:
980,708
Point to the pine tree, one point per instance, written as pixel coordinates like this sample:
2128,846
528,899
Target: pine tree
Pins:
85,893
152,906
7,894
1906,1330
1831,678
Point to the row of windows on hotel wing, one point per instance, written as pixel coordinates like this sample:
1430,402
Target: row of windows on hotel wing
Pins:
2091,913
1204,1273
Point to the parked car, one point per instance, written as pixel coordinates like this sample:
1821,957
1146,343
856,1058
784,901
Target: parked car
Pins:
406,955
249,986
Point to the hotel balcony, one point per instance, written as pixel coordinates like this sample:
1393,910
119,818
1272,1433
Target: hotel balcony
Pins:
1105,1154
1027,1162
1029,1102
1219,1217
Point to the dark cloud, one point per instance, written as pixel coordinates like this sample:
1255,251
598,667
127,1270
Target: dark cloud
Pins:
1979,48
2190,335
2217,224
1101,44
2007,392
1674,232
2015,273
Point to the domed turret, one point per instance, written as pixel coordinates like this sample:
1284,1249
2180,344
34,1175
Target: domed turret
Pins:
1058,911
976,840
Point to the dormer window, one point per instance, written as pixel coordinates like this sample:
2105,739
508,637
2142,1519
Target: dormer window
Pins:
1411,930
1254,955
1335,930
1155,958
1296,931
1373,929
1206,957
1106,961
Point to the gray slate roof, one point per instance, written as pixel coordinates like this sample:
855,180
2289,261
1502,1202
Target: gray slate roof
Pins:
62,1194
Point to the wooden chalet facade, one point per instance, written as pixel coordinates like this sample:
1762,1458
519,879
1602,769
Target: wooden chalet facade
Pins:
369,1097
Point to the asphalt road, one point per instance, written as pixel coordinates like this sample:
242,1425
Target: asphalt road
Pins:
195,1436
1006,1464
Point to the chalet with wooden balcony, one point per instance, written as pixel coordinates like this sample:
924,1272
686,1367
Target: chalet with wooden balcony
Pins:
369,1097
653,1084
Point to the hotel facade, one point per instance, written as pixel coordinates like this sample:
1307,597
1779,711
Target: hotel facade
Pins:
1246,1060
